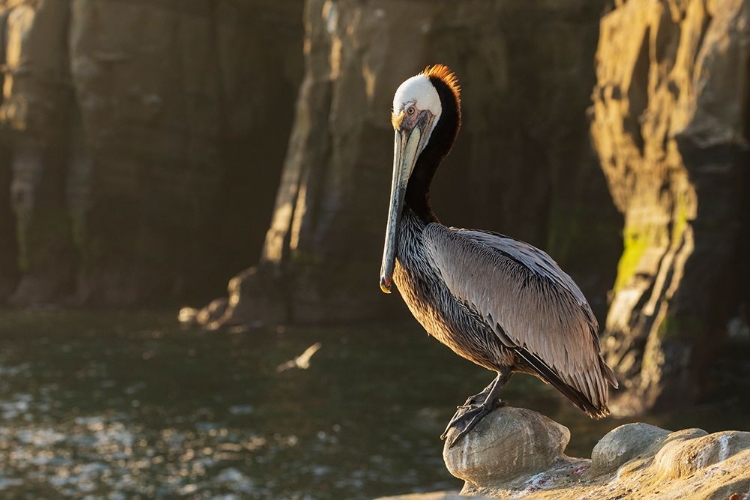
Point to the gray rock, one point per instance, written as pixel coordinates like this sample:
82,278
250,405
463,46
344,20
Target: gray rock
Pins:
623,444
515,453
506,444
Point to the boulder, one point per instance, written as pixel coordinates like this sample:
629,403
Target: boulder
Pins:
505,444
516,453
623,444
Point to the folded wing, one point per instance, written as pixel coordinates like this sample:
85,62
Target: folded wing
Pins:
531,304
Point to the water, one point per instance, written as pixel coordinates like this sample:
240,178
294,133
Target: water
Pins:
123,405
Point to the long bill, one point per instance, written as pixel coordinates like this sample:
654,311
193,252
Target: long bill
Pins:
406,148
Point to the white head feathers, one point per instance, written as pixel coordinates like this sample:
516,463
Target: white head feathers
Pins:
420,91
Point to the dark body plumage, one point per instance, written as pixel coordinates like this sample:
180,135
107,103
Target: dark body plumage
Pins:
478,336
498,302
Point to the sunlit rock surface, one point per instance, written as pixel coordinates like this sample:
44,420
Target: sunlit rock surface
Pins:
516,453
439,495
669,123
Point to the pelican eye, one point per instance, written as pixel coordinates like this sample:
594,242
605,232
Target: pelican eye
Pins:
410,110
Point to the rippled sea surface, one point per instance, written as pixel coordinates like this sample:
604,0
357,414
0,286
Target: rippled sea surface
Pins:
125,406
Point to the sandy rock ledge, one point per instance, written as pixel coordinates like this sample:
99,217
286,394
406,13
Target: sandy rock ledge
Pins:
518,453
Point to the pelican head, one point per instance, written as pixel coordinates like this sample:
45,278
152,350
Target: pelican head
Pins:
416,112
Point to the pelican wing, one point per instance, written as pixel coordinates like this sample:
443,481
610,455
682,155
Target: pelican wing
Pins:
530,303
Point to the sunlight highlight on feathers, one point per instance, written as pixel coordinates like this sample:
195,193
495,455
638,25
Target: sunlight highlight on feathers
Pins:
444,73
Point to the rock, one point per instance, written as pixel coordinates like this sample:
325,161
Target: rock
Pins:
505,444
179,147
672,139
687,452
522,163
256,298
188,316
212,312
34,117
439,495
142,156
8,243
257,295
515,453
623,444
8,246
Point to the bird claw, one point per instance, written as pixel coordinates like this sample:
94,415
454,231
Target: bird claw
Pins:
474,412
473,401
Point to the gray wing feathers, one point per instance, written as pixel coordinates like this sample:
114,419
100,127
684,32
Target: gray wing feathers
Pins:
527,300
529,256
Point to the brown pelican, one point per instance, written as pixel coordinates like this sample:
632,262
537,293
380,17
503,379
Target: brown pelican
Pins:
498,302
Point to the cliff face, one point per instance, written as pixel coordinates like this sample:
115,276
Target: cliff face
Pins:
522,163
670,126
142,144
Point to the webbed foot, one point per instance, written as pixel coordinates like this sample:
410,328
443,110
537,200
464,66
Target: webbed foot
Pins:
477,407
469,416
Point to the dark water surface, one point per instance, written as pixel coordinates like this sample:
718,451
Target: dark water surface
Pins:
123,405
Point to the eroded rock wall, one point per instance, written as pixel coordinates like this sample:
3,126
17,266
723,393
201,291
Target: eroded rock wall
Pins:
522,164
670,126
37,102
145,142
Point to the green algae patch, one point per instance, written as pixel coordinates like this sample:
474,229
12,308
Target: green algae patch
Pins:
636,243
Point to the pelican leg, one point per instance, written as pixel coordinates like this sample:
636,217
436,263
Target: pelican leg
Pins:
477,399
477,407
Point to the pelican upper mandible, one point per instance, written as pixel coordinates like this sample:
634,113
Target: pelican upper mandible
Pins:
498,302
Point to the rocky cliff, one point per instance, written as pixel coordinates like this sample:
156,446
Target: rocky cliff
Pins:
142,144
522,164
670,123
